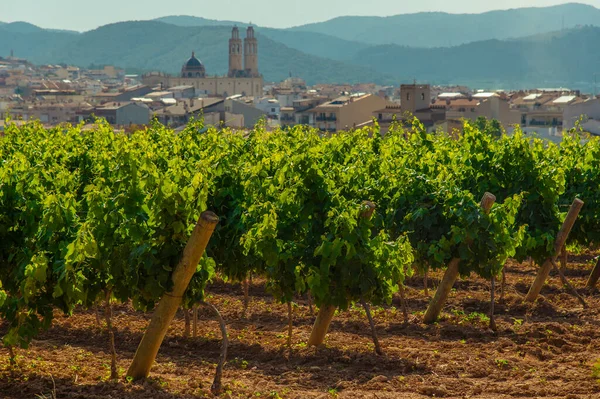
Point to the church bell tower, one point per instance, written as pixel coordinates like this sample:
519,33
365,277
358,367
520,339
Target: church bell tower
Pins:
235,54
251,53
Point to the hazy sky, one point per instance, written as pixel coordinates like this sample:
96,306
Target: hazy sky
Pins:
84,14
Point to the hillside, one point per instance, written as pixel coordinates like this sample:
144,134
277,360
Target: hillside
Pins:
188,21
148,45
314,43
561,59
437,29
21,27
26,27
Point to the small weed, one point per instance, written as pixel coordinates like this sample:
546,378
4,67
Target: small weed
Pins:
517,323
502,363
333,392
596,370
471,318
241,363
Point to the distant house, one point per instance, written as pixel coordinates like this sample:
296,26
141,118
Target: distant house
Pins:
251,114
300,113
185,91
588,111
120,114
182,111
125,95
346,112
269,105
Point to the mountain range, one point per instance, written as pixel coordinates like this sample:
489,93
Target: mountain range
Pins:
438,29
499,49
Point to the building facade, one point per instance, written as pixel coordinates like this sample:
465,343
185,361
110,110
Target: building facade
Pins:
243,77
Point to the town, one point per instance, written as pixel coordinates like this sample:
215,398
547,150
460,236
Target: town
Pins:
56,94
292,200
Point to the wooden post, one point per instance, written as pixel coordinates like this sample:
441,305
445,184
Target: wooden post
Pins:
324,317
591,283
167,307
441,294
561,238
451,274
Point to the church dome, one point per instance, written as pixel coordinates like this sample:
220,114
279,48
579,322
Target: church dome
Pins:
193,68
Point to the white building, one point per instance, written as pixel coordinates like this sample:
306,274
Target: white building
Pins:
269,105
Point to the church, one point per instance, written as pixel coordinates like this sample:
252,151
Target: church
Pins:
242,78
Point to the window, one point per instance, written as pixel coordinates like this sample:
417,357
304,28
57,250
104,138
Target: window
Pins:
380,117
422,96
407,96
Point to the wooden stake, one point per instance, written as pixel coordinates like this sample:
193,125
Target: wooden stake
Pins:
167,307
441,294
594,276
373,331
493,326
111,337
426,282
561,238
317,335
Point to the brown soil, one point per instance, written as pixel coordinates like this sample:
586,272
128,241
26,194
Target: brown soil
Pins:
544,350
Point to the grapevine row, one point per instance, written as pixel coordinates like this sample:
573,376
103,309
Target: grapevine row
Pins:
92,217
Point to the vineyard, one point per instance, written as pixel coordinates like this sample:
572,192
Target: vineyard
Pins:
295,264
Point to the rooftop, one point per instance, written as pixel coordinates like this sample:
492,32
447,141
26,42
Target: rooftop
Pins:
485,95
450,95
564,100
532,97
